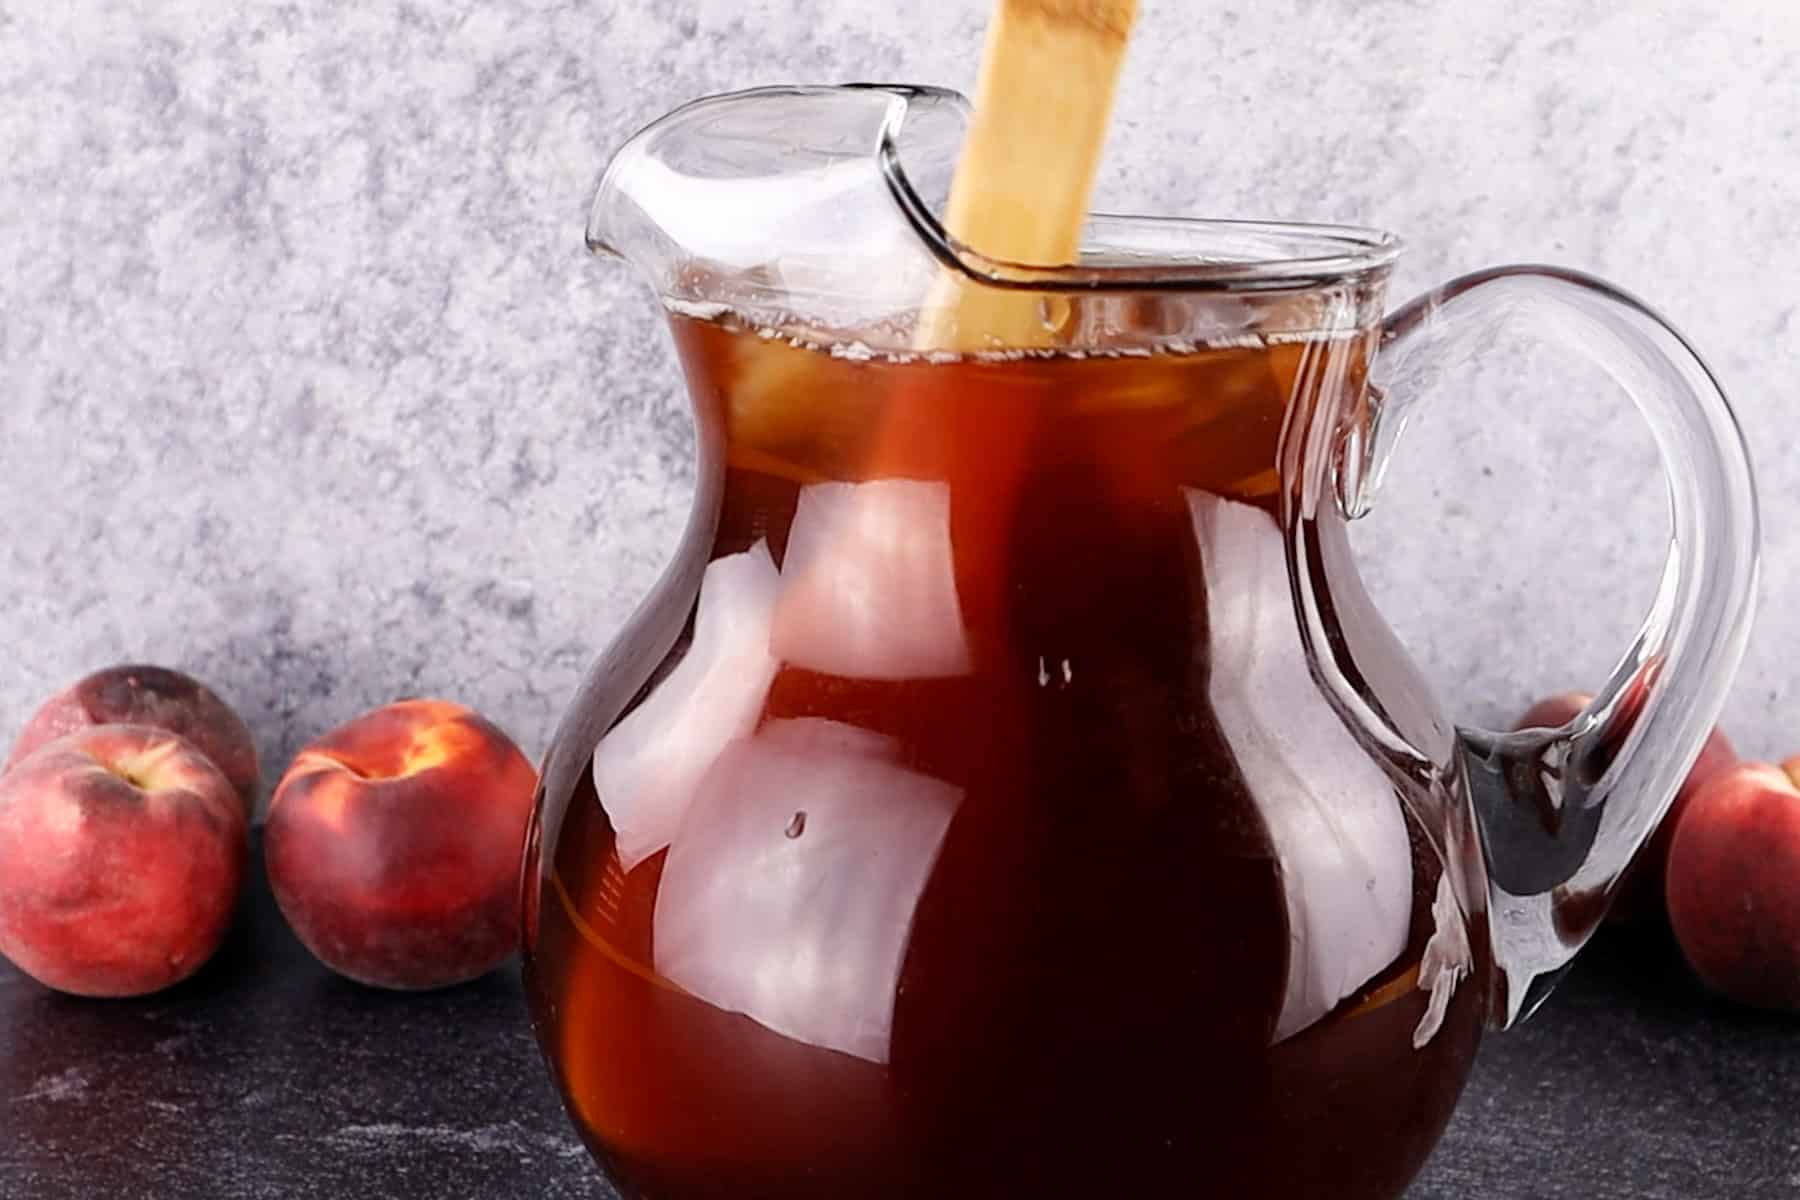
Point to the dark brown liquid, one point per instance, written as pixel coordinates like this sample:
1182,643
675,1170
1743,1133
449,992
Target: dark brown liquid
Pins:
1096,954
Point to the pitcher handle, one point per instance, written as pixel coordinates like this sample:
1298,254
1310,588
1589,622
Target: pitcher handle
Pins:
1561,812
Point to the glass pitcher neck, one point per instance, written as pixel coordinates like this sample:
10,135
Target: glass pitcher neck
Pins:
816,208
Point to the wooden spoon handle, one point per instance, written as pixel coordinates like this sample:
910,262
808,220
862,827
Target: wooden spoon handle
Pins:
1021,192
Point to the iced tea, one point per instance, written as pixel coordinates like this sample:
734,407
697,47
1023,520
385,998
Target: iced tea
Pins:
981,831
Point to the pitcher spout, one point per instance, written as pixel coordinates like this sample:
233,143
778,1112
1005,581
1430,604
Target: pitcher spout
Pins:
780,202
606,234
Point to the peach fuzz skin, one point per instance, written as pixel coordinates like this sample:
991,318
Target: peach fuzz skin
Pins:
393,845
139,694
1734,885
122,851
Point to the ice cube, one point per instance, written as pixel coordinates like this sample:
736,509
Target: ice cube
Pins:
647,767
789,891
868,587
1334,819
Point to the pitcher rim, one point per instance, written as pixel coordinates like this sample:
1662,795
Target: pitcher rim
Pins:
1120,252
1326,252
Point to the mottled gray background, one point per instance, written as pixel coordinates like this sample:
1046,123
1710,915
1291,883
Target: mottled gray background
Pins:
309,387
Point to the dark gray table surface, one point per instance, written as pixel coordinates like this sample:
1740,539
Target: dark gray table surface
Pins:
265,1076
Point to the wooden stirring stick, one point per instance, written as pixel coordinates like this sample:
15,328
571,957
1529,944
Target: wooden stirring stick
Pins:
1048,75
1020,195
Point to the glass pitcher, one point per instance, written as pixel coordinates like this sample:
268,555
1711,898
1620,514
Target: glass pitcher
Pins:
1009,789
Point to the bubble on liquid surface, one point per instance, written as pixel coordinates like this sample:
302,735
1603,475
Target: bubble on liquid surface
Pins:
874,345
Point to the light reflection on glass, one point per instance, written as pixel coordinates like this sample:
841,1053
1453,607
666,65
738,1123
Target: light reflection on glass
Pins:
1338,831
1446,963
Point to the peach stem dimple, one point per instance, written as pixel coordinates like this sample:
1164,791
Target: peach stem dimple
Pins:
353,770
140,770
120,771
342,764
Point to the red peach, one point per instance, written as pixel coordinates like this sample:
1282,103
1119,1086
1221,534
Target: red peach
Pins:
1640,894
139,694
121,853
1553,712
394,844
1734,885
